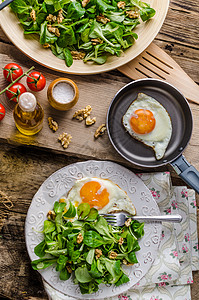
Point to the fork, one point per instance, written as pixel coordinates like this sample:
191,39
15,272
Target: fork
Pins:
118,219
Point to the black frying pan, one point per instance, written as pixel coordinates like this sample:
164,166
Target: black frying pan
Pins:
182,123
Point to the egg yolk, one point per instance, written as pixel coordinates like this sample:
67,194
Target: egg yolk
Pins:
142,121
93,194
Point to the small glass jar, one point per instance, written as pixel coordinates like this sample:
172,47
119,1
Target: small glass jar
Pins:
28,114
62,94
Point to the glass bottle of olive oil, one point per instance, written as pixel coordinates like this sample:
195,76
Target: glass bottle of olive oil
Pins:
28,114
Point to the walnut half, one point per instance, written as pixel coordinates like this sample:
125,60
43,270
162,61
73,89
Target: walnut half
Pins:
100,131
33,15
79,238
65,139
52,124
90,121
82,113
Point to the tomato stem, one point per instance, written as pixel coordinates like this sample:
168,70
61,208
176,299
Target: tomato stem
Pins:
24,74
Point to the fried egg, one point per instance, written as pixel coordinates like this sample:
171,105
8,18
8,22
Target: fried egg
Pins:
101,194
148,121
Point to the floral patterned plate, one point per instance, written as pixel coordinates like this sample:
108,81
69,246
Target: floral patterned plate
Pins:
58,184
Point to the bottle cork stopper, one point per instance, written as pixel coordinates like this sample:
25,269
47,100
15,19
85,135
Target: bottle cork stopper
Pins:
27,102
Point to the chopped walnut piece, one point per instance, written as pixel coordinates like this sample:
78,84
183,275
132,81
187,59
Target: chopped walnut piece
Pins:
51,215
60,17
65,139
46,45
90,121
98,253
132,14
79,238
125,262
96,41
78,55
121,4
52,124
33,15
121,241
100,131
82,113
102,19
85,2
53,30
128,222
112,255
68,268
51,18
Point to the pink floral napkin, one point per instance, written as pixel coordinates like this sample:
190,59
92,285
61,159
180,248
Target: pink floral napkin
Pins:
171,274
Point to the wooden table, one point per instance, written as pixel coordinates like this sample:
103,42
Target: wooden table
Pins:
23,169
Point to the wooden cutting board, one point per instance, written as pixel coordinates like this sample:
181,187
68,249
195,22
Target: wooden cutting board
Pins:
96,90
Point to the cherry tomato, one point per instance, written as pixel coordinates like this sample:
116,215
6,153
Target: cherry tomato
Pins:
15,91
12,71
36,81
2,111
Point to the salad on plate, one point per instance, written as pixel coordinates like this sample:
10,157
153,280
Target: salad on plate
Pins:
88,30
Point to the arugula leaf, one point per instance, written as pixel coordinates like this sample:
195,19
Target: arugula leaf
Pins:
64,274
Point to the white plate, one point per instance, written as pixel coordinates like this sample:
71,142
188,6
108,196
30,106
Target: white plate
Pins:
59,184
29,44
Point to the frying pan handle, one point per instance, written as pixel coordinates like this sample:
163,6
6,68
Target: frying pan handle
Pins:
187,172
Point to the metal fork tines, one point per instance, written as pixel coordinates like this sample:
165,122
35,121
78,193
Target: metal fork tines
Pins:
118,219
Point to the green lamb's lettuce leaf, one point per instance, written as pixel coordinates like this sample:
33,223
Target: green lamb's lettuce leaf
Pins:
82,275
75,10
83,210
49,226
84,246
45,36
79,26
93,239
39,250
43,263
146,12
71,212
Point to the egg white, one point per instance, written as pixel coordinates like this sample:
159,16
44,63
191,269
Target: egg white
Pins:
160,136
118,199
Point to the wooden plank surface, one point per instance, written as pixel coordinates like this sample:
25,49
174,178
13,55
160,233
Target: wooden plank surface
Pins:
23,169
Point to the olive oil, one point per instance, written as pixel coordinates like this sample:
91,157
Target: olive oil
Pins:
28,114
